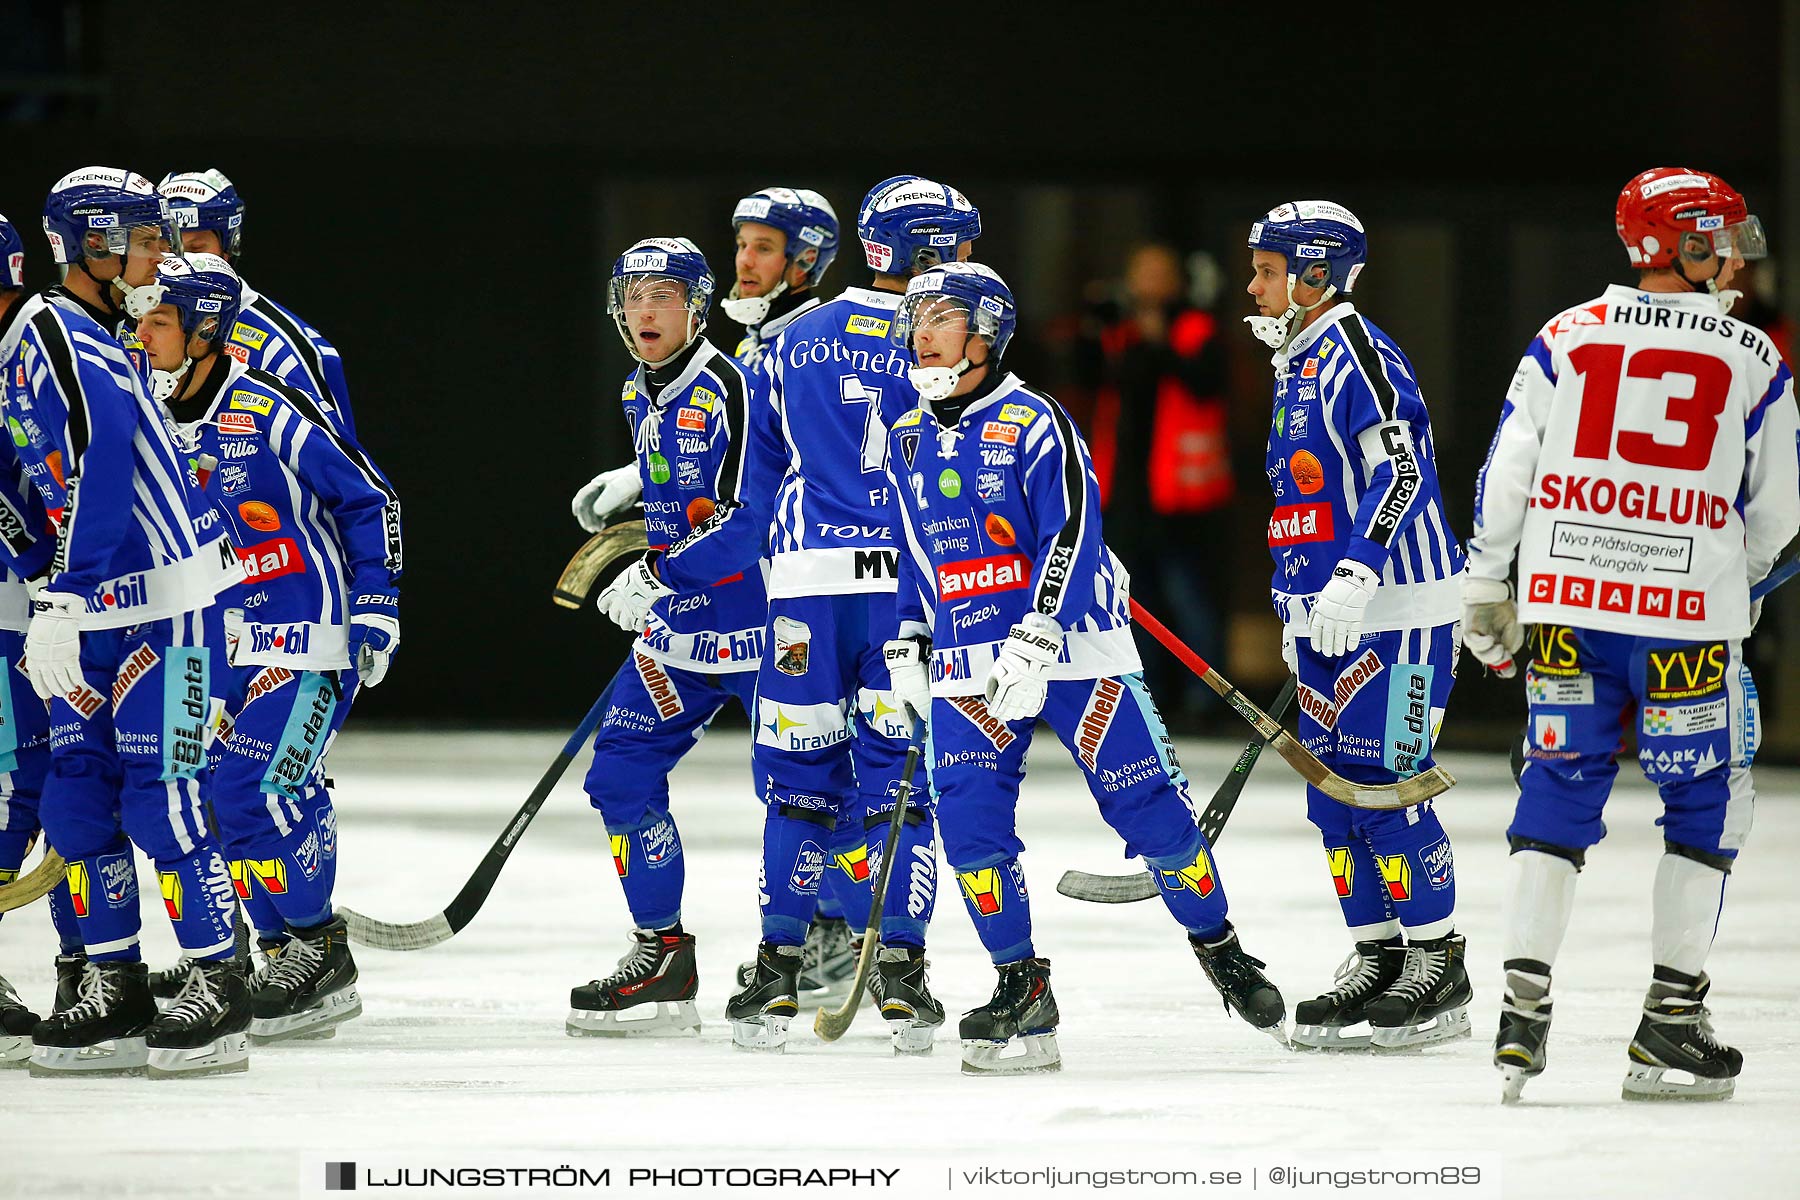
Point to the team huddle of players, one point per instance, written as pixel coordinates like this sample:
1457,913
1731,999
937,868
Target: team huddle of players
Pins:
873,538
868,532
200,567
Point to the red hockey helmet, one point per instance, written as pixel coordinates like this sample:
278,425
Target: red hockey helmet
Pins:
1676,210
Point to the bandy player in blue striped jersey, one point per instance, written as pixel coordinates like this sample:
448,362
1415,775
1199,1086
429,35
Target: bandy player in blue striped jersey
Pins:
785,239
24,723
117,645
687,405
1010,606
1367,585
317,526
829,738
1644,477
209,217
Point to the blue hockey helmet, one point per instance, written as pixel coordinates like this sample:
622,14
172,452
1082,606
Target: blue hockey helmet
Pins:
811,226
12,257
90,213
206,200
1325,247
909,224
675,260
203,288
966,291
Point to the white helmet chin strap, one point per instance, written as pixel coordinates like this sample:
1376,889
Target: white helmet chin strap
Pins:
141,299
750,310
1278,333
164,384
936,383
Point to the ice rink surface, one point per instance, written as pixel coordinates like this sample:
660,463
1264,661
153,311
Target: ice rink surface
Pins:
461,1047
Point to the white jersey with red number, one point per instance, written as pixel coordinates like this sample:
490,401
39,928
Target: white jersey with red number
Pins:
1645,469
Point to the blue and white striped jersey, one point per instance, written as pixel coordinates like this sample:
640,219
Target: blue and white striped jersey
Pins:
268,337
316,522
816,483
689,430
1001,516
1351,462
133,535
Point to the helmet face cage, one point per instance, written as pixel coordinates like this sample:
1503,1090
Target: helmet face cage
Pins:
1668,213
805,216
94,213
674,260
974,294
202,289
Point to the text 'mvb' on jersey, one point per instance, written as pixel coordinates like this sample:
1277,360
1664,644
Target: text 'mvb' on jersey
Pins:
691,447
1352,465
1644,469
1001,517
816,464
137,539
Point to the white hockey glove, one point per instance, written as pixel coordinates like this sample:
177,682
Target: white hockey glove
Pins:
53,644
627,600
605,496
374,636
1290,653
1491,627
1337,615
1019,683
906,657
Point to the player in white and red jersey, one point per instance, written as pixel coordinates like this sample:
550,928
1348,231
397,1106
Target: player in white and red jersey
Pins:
1644,474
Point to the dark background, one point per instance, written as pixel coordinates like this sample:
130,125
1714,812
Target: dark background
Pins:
441,188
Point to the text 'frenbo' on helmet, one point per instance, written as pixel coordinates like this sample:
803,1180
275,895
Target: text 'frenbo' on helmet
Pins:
909,224
92,213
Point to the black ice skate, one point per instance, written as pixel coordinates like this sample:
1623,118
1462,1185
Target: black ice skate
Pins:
1520,1048
1239,978
69,970
1676,1035
16,1024
907,1005
1429,1002
651,994
1014,1033
761,1011
827,963
1339,1020
102,1033
204,1030
310,990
